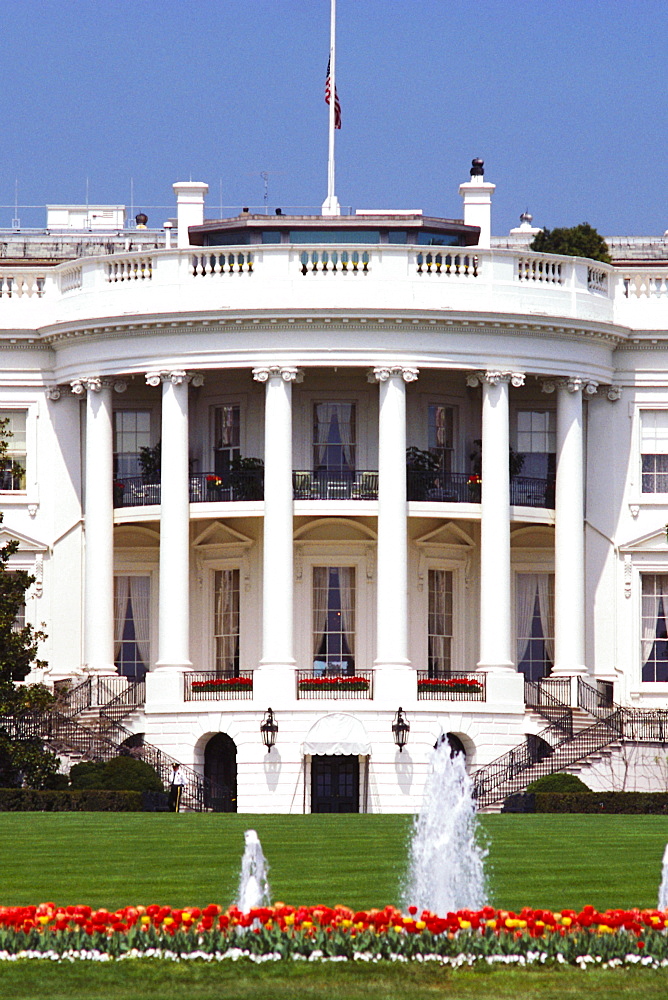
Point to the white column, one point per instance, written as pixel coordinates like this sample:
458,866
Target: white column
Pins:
569,552
174,576
99,525
392,575
495,579
277,576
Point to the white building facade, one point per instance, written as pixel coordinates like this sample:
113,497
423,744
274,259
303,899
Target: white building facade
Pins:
211,484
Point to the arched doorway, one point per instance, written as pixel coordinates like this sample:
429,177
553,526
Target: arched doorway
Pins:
335,784
220,766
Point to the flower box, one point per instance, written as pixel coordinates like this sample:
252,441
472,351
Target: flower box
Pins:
333,684
223,683
457,685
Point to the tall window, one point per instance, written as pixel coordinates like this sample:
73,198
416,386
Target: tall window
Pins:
226,620
441,434
654,450
226,437
13,466
132,625
334,434
655,627
439,623
132,432
535,624
537,442
334,619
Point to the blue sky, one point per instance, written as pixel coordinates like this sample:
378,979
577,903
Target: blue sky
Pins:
564,100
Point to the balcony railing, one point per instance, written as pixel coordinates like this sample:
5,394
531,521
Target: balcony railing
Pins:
356,687
345,484
451,686
211,686
205,487
461,487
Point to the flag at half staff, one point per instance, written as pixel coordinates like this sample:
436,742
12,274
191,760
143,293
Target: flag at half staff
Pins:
328,94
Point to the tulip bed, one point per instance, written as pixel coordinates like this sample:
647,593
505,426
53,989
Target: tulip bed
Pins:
336,934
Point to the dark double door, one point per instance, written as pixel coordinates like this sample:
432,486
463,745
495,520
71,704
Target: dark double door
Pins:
335,784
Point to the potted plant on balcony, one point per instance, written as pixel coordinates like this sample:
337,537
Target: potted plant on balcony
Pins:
119,490
213,487
422,468
150,462
339,683
474,481
246,478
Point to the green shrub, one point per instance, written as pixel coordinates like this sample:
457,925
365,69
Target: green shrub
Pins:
628,803
121,773
86,800
558,782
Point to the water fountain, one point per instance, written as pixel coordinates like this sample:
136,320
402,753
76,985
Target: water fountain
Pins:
663,891
253,883
445,860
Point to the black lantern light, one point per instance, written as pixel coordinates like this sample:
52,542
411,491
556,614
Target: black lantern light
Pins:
400,729
269,728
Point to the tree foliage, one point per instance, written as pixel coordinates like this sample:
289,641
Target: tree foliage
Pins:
576,241
122,773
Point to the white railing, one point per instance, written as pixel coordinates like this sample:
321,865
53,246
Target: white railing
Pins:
134,268
645,283
447,262
334,261
597,280
71,279
216,262
18,284
540,269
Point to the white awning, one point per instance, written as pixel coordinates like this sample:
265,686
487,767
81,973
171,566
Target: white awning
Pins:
337,734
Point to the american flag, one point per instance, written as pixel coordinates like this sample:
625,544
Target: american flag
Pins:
328,94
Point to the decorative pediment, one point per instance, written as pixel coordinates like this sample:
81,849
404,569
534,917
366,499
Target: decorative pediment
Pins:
334,529
653,541
220,534
446,534
26,543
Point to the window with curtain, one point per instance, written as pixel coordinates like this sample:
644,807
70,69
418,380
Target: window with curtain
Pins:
654,638
226,437
226,620
441,434
535,624
654,450
334,619
132,432
132,626
334,437
13,465
536,441
439,622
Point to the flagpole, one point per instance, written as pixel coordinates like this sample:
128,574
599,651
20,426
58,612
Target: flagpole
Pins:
331,204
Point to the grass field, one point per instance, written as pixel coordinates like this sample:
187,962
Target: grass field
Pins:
549,861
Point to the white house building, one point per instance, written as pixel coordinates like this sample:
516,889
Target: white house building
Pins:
209,479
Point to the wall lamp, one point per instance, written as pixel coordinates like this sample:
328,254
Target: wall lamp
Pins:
400,729
269,728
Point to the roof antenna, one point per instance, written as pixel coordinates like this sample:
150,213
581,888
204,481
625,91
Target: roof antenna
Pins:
264,174
16,222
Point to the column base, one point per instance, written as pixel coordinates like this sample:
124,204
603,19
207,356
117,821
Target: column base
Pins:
274,684
164,665
505,668
569,671
100,670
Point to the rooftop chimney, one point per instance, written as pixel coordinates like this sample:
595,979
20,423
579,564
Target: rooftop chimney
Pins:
189,208
477,195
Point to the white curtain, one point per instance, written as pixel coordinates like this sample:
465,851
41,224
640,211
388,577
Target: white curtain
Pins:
654,587
346,416
439,642
347,591
546,611
121,592
140,595
320,606
527,587
227,619
320,433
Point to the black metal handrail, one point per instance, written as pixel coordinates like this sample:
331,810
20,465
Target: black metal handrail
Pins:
454,685
204,487
462,487
200,685
335,484
314,685
596,700
129,699
72,700
557,712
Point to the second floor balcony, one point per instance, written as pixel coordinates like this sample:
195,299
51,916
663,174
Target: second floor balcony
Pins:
360,484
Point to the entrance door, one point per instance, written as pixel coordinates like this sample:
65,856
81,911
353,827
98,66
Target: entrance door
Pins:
220,766
335,784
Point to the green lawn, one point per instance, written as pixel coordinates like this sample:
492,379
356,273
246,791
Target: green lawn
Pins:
114,859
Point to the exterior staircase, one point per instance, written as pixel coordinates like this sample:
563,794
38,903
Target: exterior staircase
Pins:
86,726
594,727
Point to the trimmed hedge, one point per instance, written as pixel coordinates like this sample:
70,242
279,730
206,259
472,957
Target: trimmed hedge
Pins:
629,803
88,800
560,781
